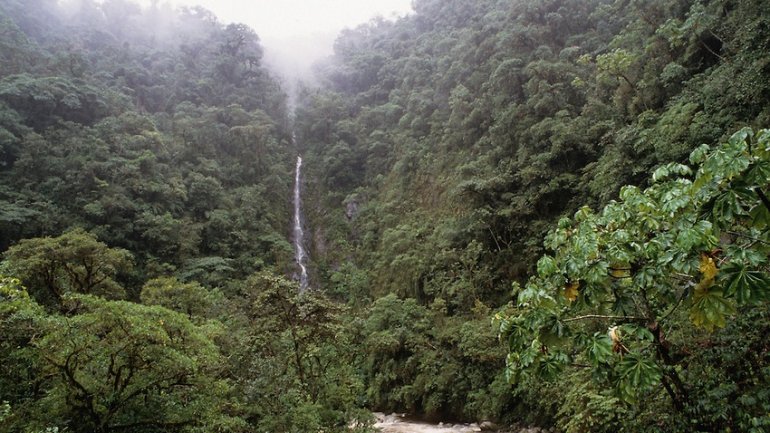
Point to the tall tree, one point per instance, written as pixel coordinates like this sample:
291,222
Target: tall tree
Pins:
75,262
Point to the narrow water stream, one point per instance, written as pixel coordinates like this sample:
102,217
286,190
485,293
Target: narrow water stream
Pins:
299,234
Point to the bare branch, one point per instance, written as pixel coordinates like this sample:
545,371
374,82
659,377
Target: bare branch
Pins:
751,238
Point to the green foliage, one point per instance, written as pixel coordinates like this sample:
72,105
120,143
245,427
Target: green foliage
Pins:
446,144
74,262
299,358
640,260
587,408
20,365
119,365
45,100
5,410
733,396
440,148
166,140
160,133
418,359
107,366
186,298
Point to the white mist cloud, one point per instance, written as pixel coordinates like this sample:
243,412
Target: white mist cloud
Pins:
296,33
275,19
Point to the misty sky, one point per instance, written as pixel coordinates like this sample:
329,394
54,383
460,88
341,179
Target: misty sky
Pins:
275,19
296,33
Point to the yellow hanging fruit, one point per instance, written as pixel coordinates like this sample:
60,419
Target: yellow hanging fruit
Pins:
708,267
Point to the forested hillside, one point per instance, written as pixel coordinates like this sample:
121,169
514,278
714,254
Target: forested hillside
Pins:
445,145
145,183
470,127
540,212
159,132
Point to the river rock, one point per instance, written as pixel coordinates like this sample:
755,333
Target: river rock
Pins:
488,426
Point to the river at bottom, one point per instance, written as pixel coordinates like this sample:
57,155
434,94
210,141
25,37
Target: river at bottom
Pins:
396,424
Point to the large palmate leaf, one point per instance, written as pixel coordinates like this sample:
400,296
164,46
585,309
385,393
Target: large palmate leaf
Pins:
710,309
636,373
744,284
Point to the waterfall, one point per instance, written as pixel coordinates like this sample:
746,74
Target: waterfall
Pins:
299,234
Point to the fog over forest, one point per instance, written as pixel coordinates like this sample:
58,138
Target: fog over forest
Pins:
295,34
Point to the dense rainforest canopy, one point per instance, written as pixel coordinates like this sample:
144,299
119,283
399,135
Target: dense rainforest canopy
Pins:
546,212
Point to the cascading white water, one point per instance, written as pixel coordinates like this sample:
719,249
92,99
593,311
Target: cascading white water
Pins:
299,234
395,423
